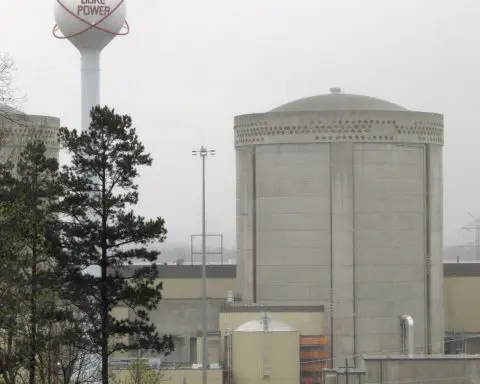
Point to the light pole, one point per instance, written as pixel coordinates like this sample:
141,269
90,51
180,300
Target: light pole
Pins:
203,153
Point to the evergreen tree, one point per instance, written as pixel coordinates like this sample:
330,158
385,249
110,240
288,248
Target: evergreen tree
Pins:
29,195
101,230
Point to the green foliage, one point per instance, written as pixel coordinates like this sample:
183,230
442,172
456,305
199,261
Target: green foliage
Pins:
138,373
29,197
100,229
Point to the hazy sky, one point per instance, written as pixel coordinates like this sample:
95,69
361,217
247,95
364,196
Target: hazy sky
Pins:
189,66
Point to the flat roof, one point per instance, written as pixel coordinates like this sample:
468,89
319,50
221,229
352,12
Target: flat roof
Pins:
271,308
461,269
228,271
186,271
421,357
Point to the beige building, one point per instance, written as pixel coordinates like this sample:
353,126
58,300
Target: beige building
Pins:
179,314
462,309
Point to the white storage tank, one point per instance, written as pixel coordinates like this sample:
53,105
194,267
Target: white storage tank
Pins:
265,350
339,203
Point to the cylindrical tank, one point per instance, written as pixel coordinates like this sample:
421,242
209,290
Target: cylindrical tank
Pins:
18,128
265,350
339,202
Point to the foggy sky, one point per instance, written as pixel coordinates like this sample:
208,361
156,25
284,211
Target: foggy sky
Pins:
189,66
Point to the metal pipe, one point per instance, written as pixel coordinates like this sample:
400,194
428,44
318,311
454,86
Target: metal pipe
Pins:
408,346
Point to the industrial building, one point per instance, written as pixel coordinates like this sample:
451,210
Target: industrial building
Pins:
339,203
339,256
18,128
179,314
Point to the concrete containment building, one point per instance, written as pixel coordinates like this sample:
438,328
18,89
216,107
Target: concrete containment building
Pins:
18,128
339,203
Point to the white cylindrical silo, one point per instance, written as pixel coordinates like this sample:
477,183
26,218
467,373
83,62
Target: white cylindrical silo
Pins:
265,350
17,129
339,202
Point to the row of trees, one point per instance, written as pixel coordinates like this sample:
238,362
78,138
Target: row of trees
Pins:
65,234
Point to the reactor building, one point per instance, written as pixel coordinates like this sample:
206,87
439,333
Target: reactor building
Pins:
339,203
17,129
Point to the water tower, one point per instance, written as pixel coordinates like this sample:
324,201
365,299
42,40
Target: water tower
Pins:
90,25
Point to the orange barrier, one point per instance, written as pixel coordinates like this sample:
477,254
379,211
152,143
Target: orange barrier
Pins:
314,357
313,340
314,354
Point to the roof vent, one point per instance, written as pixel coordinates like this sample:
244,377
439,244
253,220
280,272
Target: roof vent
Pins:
335,90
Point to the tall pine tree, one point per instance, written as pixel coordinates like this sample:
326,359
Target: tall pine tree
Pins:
101,230
29,195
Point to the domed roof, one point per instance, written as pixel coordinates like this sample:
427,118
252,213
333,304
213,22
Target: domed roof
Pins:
6,109
338,101
264,325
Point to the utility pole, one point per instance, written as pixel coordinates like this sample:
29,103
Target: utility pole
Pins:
475,227
203,153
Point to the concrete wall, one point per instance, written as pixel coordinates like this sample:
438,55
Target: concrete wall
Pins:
389,237
179,313
420,370
293,224
17,130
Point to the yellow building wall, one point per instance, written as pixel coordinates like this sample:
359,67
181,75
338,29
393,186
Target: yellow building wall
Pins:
213,349
191,376
461,298
307,323
260,357
217,288
120,313
178,376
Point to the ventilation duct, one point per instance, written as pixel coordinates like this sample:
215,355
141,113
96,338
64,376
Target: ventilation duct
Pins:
408,346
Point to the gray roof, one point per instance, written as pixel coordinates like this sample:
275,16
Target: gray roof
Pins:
229,271
271,308
186,271
337,101
461,269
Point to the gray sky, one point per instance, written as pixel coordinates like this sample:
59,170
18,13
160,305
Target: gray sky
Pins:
189,66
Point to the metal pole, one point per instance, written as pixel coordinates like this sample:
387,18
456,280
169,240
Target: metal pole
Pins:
203,154
204,282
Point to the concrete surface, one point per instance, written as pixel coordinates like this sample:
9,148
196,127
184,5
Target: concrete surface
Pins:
423,370
343,208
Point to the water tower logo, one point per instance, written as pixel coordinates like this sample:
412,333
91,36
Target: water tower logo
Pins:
90,24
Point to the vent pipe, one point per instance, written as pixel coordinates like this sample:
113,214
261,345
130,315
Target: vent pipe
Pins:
230,298
265,321
408,346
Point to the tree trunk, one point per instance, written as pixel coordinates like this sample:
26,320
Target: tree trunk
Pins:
104,332
33,319
104,293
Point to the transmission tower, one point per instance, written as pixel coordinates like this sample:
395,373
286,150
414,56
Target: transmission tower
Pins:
474,226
